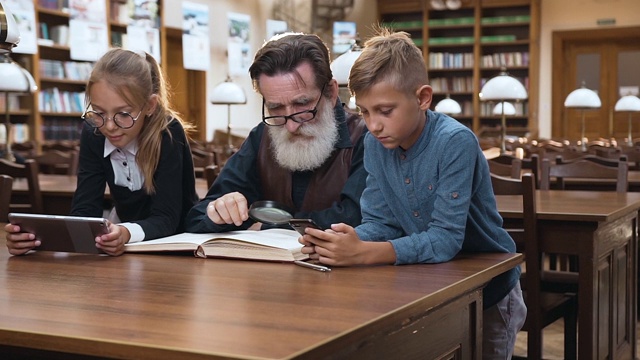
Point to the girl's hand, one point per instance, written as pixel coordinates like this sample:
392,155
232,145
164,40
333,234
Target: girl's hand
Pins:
113,242
18,242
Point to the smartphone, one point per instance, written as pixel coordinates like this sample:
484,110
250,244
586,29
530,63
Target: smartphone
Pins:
300,225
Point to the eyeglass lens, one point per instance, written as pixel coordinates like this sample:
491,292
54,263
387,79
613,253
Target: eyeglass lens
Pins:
122,119
299,117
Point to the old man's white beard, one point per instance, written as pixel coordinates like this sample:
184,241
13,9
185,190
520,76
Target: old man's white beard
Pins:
310,146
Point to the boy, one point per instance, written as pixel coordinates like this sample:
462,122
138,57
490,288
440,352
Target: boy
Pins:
428,193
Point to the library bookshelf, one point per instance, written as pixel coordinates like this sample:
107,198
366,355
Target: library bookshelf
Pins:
53,113
465,47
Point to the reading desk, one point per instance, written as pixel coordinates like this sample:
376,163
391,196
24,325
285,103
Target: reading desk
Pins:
181,307
600,228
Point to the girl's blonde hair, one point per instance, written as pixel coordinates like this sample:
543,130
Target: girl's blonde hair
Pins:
136,77
391,57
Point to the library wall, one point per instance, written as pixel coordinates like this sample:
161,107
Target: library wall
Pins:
554,17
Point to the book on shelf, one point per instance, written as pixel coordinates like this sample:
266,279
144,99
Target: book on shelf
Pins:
267,245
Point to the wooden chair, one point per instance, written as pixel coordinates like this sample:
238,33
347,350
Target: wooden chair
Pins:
202,159
543,308
29,172
24,150
5,196
584,169
62,145
512,169
58,162
211,173
530,163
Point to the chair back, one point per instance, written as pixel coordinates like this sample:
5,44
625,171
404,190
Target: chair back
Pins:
29,172
211,173
584,169
6,182
62,145
512,170
529,163
58,162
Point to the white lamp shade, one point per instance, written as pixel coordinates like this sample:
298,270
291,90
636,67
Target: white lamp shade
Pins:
583,98
503,87
628,103
16,79
509,109
227,93
448,106
341,66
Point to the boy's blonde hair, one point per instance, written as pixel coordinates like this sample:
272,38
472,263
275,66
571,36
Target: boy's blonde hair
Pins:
391,57
136,76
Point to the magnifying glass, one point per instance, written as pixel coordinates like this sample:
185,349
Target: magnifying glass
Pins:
270,212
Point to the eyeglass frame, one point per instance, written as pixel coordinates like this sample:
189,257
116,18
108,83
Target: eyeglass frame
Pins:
313,111
113,118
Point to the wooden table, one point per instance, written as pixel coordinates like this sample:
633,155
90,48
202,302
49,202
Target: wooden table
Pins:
601,229
182,307
57,191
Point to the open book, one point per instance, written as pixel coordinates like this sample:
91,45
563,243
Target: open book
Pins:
269,245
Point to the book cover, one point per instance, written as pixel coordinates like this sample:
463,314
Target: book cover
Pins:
266,245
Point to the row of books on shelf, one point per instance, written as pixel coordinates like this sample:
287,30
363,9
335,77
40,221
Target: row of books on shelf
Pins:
458,21
119,39
445,60
19,133
72,70
14,103
498,38
452,84
451,40
54,4
54,100
61,129
119,12
486,108
505,59
398,25
506,19
57,34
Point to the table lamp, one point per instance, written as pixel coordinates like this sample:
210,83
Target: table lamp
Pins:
15,79
505,107
630,104
228,93
582,99
341,67
501,88
448,106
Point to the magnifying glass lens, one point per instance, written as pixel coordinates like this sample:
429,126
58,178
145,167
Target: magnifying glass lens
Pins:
270,212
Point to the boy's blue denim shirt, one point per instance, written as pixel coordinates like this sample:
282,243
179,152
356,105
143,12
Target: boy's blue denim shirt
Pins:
434,200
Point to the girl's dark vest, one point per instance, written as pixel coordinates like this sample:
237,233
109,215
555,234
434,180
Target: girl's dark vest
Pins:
326,182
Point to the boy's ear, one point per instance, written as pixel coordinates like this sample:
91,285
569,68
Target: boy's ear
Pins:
424,95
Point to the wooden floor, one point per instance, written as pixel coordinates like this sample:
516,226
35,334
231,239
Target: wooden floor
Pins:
553,341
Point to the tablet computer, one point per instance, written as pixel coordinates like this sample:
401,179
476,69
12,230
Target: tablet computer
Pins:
62,233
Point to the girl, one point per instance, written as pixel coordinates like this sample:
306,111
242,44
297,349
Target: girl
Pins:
134,142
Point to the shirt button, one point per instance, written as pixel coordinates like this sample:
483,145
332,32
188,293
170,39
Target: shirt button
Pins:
416,214
430,187
403,156
407,181
454,195
124,163
128,178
